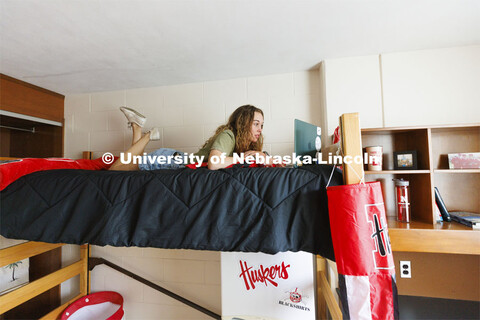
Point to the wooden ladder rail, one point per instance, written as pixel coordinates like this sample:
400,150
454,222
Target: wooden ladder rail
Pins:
351,145
18,296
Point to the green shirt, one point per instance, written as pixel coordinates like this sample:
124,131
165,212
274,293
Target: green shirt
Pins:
224,142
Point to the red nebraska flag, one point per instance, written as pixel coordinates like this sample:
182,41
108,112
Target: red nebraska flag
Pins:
362,251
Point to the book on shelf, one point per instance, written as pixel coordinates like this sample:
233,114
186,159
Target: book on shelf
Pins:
470,219
441,206
438,214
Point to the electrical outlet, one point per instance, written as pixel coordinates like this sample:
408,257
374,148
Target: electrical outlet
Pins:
405,269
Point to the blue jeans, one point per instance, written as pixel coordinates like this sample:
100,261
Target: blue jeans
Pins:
166,160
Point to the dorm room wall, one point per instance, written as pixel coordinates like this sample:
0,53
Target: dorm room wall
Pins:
187,115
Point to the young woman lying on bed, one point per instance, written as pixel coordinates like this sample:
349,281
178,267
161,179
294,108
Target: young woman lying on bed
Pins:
241,134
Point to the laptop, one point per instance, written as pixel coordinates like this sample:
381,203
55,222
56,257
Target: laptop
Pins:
307,140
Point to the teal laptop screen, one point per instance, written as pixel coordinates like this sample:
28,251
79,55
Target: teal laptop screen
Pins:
307,138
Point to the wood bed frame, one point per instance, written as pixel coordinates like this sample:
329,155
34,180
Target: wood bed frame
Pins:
326,302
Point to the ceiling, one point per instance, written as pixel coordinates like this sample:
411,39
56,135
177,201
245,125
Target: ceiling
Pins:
71,46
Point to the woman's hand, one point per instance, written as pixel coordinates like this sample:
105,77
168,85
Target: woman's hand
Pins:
263,158
253,153
227,161
258,155
267,160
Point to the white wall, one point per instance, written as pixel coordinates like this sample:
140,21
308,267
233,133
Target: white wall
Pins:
187,115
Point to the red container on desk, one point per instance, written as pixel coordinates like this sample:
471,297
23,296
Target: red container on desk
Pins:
402,198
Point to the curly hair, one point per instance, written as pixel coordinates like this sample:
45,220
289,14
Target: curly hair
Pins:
240,122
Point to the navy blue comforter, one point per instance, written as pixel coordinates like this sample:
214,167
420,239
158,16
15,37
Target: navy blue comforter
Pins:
238,209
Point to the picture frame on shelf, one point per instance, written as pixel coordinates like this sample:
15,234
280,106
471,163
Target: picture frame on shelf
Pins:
405,160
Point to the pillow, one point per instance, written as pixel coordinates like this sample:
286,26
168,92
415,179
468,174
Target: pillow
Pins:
13,169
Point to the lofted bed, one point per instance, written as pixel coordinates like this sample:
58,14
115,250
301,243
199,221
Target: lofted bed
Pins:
316,240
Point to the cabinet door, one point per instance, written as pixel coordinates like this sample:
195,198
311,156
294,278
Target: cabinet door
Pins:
353,85
27,99
431,87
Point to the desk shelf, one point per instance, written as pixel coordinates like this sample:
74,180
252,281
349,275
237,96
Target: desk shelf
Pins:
456,171
443,237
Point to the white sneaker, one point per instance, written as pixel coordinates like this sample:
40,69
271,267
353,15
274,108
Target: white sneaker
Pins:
133,116
154,134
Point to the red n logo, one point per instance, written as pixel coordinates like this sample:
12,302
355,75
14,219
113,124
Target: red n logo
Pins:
382,251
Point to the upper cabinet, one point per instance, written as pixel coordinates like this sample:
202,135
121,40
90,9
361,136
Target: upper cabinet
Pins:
24,98
431,87
31,120
351,85
417,88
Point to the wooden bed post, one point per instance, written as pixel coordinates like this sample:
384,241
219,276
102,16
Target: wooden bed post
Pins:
352,174
87,155
85,275
351,146
85,251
